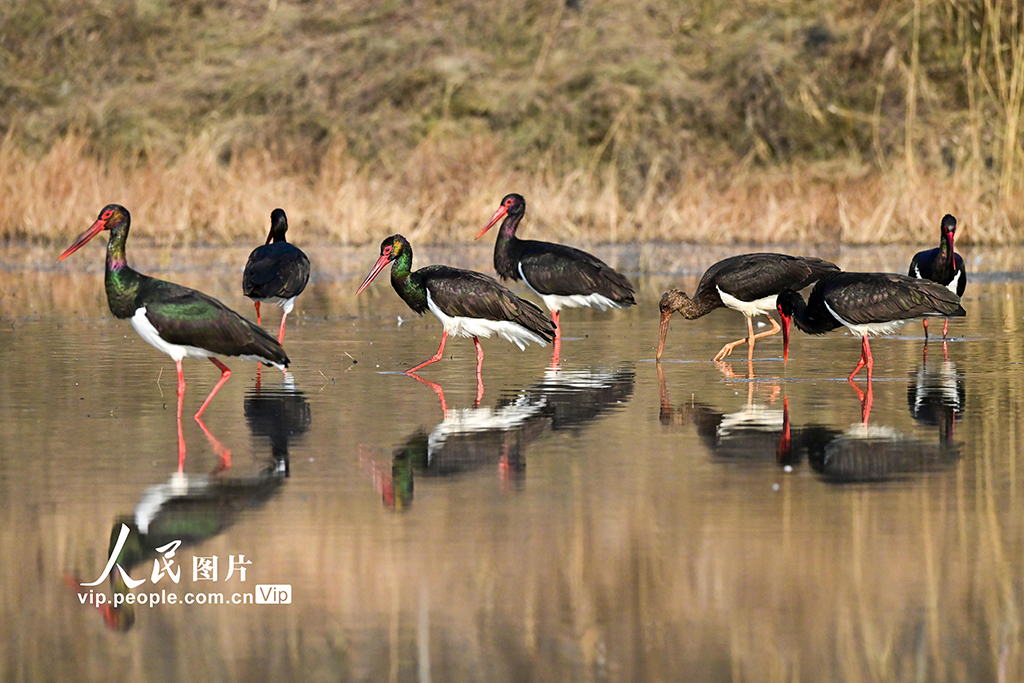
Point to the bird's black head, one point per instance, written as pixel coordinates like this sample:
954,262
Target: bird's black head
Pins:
786,302
112,217
513,205
948,227
278,226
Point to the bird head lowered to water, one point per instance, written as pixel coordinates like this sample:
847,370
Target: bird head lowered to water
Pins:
672,301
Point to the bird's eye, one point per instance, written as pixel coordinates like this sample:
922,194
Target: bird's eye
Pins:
107,214
387,250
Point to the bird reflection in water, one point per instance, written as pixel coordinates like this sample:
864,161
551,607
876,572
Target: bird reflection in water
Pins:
281,414
469,439
192,508
936,394
757,431
866,453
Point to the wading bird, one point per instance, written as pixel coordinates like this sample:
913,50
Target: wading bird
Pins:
747,283
562,276
867,304
942,265
468,304
277,272
179,321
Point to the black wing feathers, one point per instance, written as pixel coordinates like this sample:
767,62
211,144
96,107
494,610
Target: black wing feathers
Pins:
466,293
749,277
564,271
187,317
279,269
862,298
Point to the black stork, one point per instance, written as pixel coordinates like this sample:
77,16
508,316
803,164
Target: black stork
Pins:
942,265
179,321
276,272
867,304
562,276
468,304
747,283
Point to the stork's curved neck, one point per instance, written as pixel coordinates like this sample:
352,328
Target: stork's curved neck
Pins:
121,282
117,256
505,247
406,283
699,306
812,320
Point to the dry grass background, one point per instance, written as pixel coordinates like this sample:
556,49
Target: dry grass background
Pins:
718,121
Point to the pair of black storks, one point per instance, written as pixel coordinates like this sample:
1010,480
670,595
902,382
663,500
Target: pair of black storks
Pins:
185,323
471,304
865,303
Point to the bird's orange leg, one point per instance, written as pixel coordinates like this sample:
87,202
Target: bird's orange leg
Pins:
554,319
257,312
727,349
865,359
437,356
945,328
225,373
925,321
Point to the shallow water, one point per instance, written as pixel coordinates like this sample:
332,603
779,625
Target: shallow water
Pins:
614,519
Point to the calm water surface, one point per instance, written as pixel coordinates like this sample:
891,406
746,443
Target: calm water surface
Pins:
611,519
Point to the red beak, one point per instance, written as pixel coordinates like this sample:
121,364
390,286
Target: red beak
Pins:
96,229
785,337
665,316
498,215
270,236
377,267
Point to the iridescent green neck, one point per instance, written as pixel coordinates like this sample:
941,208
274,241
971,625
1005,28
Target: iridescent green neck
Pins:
405,282
121,282
117,257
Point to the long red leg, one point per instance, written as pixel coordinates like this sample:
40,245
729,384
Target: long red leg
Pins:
556,352
479,368
945,328
280,333
437,356
224,374
871,361
257,312
925,321
554,319
181,434
218,447
865,359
